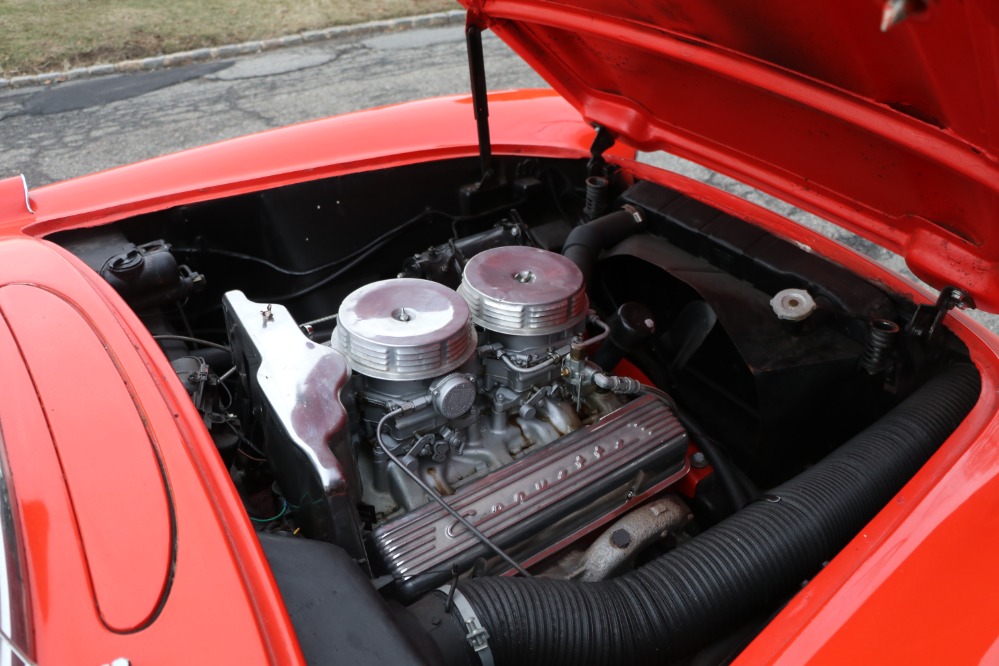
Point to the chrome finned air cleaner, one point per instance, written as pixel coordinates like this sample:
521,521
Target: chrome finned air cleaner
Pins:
524,291
404,329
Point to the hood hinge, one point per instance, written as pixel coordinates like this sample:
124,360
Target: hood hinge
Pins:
925,322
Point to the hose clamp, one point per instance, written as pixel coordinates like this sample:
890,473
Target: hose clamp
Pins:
477,635
634,212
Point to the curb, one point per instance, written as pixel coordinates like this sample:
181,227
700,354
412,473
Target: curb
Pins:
335,34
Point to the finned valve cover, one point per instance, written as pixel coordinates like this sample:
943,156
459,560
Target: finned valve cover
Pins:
583,475
524,291
404,329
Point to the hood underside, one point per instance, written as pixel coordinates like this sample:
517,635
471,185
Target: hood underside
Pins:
892,134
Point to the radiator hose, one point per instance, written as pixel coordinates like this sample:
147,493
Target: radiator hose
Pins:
696,593
584,243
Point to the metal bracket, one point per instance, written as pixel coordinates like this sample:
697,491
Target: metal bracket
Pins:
602,142
477,635
925,323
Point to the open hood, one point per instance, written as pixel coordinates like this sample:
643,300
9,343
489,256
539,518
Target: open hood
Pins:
882,118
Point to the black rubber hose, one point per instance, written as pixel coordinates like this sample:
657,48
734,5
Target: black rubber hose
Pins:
743,566
725,469
729,476
584,243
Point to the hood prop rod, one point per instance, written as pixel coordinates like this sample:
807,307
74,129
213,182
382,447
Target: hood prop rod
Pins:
480,105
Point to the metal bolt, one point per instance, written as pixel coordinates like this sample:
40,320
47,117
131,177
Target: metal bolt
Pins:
524,277
620,538
698,460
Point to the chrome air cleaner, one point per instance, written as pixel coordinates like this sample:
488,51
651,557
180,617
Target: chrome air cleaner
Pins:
404,329
524,291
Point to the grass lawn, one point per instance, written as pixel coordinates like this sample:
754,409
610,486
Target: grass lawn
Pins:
45,35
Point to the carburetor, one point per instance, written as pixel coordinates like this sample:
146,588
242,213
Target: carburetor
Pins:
473,400
409,343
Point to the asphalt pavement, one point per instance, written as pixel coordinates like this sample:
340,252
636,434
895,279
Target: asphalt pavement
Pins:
52,133
56,132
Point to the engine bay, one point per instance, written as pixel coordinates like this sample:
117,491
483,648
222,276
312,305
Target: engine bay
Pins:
564,376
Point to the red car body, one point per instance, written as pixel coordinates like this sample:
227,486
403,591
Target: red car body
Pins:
130,538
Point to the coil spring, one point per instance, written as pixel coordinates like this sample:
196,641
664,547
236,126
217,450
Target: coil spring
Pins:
880,340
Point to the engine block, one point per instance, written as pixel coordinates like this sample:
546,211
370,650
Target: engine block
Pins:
482,398
559,490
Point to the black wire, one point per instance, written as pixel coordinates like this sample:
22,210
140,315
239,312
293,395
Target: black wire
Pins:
248,456
381,241
725,468
387,236
456,219
729,475
243,439
435,496
329,278
360,252
183,318
354,257
192,340
251,258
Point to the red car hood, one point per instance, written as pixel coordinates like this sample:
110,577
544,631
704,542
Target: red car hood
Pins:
892,134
